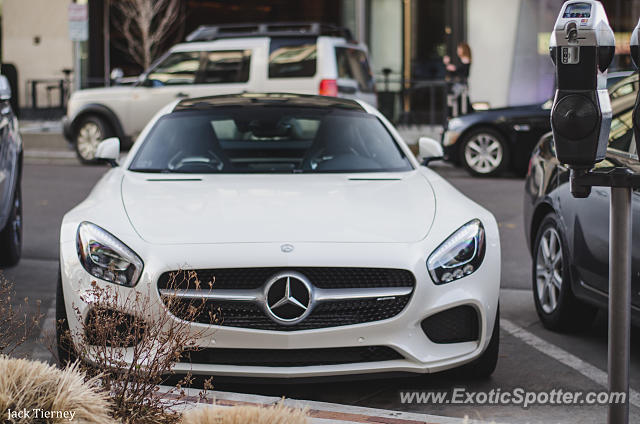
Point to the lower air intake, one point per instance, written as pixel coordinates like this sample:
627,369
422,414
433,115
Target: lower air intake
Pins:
290,357
455,325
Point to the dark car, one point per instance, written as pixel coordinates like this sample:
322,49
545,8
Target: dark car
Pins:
489,142
10,178
569,238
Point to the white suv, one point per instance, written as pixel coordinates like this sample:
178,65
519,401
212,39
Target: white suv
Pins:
307,58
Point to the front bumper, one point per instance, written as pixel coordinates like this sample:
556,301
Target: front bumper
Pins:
67,131
450,138
402,332
449,144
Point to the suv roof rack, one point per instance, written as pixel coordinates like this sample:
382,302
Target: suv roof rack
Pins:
277,29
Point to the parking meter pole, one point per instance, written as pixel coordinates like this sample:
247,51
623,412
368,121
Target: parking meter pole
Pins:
77,53
582,46
619,301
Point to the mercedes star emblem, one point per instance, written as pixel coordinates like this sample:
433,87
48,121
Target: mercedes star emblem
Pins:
288,297
287,248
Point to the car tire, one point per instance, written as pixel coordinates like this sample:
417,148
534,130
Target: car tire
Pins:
89,132
66,352
483,366
556,304
11,234
484,152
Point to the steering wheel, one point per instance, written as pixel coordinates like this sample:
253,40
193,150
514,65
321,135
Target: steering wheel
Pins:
315,158
198,162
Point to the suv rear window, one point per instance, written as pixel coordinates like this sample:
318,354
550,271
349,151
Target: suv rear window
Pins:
353,64
292,57
225,66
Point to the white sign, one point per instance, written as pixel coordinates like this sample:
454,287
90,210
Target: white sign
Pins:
78,15
78,12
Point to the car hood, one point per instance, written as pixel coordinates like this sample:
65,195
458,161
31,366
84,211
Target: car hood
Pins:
504,111
102,92
168,209
523,108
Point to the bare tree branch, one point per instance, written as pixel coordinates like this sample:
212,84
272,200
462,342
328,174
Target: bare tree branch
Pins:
146,26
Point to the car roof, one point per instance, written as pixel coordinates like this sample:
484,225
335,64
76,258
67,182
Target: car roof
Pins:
250,42
284,99
273,29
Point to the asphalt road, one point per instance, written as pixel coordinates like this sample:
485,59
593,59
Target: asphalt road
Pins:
531,357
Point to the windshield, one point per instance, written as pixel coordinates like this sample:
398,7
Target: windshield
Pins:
269,139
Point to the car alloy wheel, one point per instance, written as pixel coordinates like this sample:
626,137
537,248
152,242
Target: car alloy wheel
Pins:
89,136
549,270
556,304
483,153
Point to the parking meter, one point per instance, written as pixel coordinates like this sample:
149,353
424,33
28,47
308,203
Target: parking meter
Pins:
634,43
582,46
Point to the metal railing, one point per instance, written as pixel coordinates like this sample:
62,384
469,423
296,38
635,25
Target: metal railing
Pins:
55,92
422,102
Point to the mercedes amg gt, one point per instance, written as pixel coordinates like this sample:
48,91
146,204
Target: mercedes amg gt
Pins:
332,250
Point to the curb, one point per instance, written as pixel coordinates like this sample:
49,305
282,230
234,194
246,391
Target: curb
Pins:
319,412
31,127
50,157
49,154
44,140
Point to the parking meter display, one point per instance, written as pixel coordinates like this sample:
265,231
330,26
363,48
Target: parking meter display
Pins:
577,10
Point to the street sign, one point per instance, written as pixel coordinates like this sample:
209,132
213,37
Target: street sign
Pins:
78,17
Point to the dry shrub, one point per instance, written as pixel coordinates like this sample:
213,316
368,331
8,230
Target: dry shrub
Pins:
32,384
276,414
132,354
16,325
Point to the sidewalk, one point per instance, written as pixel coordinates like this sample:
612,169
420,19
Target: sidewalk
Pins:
320,412
44,143
30,127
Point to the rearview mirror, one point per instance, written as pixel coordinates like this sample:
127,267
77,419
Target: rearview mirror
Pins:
5,88
429,150
109,151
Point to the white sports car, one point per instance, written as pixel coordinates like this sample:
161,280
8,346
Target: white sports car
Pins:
333,250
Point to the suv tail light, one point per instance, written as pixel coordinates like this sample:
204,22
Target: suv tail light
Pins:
328,87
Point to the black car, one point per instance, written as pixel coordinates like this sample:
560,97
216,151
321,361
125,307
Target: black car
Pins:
10,179
489,142
568,237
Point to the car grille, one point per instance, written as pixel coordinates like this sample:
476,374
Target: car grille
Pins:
290,357
321,277
327,314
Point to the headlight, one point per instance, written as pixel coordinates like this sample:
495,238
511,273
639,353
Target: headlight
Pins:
455,124
106,257
460,255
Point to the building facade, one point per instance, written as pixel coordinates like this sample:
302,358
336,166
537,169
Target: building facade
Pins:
35,39
407,40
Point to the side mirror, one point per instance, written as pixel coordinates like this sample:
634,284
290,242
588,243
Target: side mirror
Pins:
109,151
429,150
116,74
5,88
